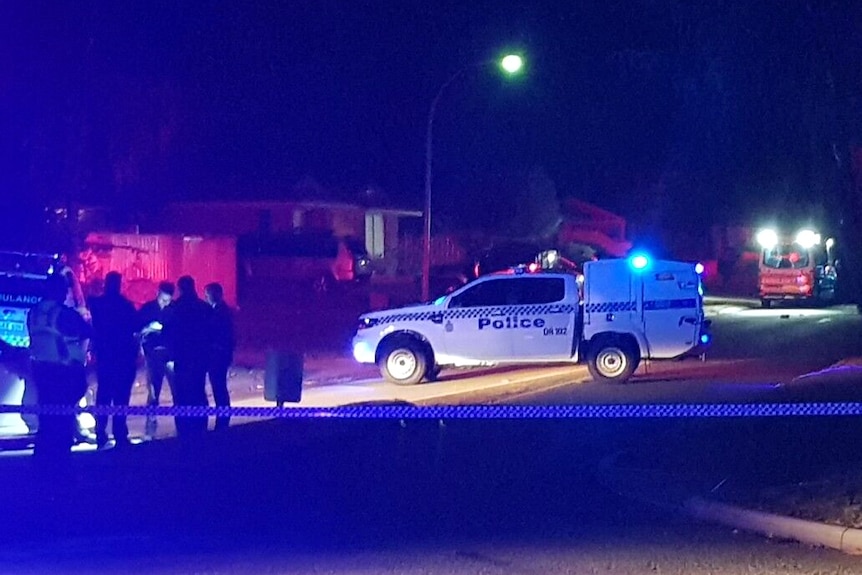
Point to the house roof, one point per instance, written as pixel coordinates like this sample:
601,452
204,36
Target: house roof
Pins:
306,192
275,204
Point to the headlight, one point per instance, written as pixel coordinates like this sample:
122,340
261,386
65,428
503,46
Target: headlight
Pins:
767,239
363,352
807,239
365,323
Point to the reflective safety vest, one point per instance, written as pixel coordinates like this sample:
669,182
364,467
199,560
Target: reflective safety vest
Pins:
47,342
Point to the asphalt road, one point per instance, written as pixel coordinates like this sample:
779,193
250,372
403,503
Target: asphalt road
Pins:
467,497
381,497
756,356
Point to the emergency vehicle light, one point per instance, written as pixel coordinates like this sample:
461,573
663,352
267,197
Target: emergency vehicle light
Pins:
807,238
767,239
639,261
698,268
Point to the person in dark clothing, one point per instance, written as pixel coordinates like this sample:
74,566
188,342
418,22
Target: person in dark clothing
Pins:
150,324
58,349
221,349
116,351
186,331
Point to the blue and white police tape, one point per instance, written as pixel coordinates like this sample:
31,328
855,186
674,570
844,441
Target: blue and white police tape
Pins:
408,411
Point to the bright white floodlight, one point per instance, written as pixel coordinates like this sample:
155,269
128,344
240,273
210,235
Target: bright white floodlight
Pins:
767,239
807,239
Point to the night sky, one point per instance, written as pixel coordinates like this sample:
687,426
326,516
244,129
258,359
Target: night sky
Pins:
674,114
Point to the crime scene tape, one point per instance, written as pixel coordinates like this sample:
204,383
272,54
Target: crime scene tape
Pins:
408,411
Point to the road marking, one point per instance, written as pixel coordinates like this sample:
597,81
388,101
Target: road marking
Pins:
509,383
530,392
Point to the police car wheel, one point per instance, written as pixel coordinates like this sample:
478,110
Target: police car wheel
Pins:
404,364
612,363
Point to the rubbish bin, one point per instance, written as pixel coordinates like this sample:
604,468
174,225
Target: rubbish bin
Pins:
283,379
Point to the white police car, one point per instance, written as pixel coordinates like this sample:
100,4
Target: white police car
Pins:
630,310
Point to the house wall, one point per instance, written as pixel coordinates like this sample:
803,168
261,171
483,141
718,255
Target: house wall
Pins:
145,260
349,223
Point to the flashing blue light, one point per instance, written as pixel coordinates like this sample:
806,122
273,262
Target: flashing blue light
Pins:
698,268
704,339
639,262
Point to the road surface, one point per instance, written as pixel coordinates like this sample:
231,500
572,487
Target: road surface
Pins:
375,497
756,355
520,497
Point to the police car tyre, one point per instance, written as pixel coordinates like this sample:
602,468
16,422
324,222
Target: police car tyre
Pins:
404,363
613,361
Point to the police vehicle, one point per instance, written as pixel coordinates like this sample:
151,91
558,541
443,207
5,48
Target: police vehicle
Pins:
616,314
23,283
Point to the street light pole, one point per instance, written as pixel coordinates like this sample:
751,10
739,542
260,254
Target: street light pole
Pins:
511,64
429,140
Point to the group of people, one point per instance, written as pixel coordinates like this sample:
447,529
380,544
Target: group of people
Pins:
184,340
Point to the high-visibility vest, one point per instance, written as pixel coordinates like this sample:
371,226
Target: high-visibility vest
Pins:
47,342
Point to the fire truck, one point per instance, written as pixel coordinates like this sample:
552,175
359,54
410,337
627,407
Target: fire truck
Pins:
798,267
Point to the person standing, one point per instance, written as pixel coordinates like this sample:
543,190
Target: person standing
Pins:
221,349
150,323
116,351
58,349
187,335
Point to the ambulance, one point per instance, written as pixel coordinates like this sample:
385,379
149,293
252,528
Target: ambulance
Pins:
615,314
23,284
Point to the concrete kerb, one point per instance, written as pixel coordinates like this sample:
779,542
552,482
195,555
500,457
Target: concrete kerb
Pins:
711,300
630,483
845,539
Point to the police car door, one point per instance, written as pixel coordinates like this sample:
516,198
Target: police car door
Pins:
544,321
670,309
474,323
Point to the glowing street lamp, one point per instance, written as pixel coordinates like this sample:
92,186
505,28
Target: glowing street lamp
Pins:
511,64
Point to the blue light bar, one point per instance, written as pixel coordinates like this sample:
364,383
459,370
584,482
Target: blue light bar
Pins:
639,261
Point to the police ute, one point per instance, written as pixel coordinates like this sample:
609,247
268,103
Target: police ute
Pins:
617,313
